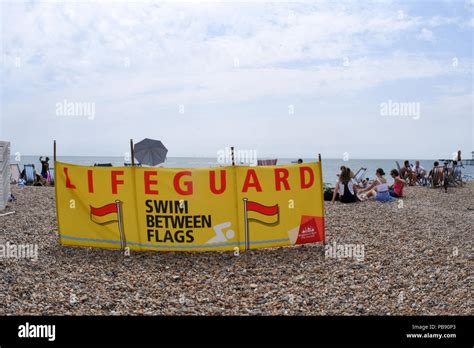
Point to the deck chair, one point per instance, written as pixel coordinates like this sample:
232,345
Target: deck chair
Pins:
398,166
15,173
359,175
267,162
51,176
400,170
436,179
421,180
29,174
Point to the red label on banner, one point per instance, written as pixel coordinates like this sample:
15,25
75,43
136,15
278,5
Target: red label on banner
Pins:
311,230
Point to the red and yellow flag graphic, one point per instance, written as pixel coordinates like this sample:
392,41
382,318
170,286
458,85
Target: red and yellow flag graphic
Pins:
266,215
105,214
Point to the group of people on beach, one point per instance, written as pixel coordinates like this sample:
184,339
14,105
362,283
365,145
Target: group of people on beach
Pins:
348,190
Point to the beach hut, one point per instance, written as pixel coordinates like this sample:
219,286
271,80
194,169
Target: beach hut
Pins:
4,173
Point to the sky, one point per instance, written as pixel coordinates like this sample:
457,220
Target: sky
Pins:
361,79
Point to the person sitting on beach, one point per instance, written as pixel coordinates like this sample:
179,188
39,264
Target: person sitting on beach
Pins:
420,172
398,183
346,189
436,174
364,183
379,188
407,173
44,167
435,165
40,181
300,161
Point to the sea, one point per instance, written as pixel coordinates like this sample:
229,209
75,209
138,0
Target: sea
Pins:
331,166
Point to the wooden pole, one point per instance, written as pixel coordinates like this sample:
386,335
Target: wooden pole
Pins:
321,183
244,200
247,235
123,241
132,152
56,195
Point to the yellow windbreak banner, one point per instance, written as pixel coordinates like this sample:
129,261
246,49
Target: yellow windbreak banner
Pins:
189,209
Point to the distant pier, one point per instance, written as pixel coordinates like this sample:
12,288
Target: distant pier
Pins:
469,162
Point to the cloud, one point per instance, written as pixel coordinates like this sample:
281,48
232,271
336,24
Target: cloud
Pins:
425,35
140,61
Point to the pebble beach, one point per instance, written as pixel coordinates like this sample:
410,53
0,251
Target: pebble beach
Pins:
417,261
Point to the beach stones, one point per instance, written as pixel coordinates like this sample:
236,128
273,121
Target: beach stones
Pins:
415,262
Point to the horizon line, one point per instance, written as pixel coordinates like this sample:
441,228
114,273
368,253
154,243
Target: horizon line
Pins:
258,157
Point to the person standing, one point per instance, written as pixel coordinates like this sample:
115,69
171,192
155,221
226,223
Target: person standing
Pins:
459,159
44,167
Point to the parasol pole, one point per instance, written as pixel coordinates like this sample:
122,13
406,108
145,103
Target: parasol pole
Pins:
132,152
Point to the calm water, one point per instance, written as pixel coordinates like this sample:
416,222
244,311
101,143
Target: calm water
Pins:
330,166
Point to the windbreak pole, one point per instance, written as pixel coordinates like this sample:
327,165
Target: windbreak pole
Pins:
232,154
322,188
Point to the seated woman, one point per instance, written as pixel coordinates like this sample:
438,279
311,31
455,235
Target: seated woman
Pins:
398,184
379,188
345,188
